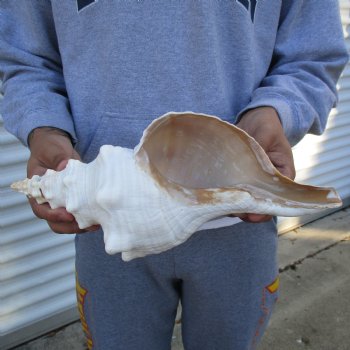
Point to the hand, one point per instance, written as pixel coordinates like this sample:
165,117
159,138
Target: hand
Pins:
264,125
51,148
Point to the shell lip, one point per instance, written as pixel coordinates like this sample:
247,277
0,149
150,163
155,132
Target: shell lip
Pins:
332,199
213,195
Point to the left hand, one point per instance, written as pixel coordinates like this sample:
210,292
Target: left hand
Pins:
51,148
264,125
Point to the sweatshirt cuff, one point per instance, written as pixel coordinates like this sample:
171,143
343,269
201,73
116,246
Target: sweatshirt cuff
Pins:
287,115
40,118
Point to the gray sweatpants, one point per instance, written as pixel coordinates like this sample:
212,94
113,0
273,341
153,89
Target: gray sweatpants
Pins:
226,279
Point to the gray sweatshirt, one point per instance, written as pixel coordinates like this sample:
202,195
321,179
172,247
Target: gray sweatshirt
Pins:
103,69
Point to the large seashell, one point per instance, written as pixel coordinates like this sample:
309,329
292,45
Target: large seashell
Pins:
187,169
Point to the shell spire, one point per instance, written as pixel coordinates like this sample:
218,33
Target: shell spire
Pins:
31,188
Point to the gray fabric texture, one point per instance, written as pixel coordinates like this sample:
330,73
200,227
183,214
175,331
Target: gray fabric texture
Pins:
137,60
219,275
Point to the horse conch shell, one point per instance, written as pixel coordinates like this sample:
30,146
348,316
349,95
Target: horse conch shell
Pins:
187,169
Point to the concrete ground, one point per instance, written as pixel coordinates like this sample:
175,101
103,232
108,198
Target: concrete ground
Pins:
313,311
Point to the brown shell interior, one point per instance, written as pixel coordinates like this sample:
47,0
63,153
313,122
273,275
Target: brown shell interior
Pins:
198,152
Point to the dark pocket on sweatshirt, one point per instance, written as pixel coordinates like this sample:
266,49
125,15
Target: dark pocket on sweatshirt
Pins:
117,130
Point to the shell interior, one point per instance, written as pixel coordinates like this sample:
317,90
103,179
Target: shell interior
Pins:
200,152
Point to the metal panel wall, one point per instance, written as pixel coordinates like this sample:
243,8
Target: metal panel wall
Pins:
325,160
37,291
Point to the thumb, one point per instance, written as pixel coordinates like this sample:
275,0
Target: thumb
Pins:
287,170
62,165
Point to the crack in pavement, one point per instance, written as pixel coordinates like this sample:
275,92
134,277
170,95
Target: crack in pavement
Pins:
293,266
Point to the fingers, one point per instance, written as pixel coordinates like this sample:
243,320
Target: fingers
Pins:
282,159
62,165
60,227
72,227
255,218
43,211
59,220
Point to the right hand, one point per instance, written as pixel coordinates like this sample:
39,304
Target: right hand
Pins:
51,148
264,125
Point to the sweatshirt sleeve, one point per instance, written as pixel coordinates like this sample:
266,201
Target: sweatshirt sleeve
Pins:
308,59
30,69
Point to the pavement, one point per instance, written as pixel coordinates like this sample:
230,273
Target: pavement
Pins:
313,311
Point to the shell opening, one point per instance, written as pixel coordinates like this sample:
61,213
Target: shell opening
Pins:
202,152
